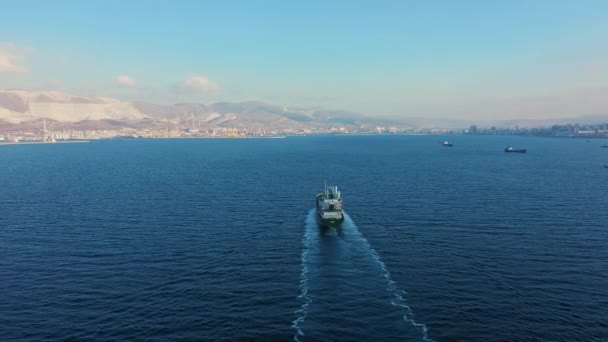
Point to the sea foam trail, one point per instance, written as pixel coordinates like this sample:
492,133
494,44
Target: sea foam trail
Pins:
307,240
397,295
310,240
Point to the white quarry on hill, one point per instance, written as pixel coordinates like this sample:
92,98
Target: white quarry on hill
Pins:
18,106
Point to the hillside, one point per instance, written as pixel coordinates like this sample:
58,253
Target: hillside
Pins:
21,108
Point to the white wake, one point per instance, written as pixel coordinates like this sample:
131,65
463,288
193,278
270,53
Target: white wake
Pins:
397,295
307,241
311,236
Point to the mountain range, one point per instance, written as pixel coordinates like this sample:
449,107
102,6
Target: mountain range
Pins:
25,109
22,108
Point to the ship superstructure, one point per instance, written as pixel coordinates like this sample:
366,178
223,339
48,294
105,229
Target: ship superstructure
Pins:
329,207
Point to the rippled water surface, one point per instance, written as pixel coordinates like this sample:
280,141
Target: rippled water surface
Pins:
216,239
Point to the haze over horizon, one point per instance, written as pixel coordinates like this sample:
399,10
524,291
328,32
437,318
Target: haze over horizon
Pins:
464,60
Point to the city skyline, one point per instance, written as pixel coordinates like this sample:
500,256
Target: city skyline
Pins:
471,60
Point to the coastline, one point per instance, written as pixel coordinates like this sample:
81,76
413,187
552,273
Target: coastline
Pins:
42,142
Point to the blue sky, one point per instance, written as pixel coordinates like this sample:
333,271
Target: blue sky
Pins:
458,59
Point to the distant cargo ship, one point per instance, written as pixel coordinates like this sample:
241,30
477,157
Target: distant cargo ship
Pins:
329,207
515,150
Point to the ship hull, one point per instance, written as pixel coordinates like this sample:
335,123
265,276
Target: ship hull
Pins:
329,222
329,208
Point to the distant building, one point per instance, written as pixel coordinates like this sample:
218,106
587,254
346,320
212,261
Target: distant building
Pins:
563,130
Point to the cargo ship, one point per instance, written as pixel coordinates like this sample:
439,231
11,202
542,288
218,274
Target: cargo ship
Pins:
515,150
329,207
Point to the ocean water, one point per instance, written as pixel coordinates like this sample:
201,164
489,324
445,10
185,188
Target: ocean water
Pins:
216,240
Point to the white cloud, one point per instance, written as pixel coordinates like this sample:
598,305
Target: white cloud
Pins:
197,84
11,58
125,81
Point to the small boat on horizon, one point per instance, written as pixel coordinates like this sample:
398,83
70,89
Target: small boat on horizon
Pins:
447,144
515,150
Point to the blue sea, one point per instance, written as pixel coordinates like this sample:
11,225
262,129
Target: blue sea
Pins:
216,239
